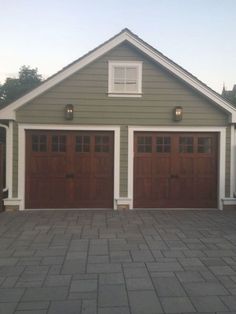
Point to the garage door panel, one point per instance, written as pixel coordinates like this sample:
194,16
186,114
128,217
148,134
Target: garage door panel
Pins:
160,189
57,165
143,188
58,188
68,169
205,189
39,199
182,168
82,189
101,188
39,165
143,166
82,164
161,166
186,188
205,166
186,166
102,166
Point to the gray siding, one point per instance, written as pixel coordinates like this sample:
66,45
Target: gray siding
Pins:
87,90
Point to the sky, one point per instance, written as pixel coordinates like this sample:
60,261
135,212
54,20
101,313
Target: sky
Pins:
199,35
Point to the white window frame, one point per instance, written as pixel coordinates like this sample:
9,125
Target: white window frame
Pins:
112,65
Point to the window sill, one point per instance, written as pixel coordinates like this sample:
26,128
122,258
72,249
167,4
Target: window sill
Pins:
124,95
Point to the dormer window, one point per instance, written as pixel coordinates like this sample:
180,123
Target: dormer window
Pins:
125,79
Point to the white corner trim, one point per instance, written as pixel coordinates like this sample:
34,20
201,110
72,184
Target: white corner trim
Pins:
232,160
9,111
221,155
21,153
9,157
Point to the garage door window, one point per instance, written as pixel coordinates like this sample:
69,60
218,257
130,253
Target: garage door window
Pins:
204,145
82,144
144,144
186,144
39,143
102,144
163,144
58,143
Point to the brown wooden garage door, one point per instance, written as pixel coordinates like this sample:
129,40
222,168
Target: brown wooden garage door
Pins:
175,170
69,169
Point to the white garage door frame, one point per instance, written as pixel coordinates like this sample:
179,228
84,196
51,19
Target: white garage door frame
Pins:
221,155
21,153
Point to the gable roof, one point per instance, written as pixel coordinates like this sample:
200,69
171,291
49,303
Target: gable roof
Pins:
8,112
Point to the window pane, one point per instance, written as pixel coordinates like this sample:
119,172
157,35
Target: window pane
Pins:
39,143
119,73
131,87
98,139
186,144
58,143
86,148
102,144
204,145
159,140
97,148
163,144
86,139
131,74
144,144
119,87
186,140
82,144
166,140
35,139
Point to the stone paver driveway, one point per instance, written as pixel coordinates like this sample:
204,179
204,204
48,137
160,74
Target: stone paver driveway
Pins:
136,262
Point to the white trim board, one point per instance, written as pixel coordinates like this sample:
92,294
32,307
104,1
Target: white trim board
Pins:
232,160
9,157
126,35
221,154
21,153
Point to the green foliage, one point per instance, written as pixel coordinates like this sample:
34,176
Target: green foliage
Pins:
14,88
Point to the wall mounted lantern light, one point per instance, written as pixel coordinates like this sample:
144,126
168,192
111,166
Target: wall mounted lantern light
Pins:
69,112
178,113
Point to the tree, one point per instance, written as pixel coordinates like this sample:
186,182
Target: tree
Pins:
13,88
